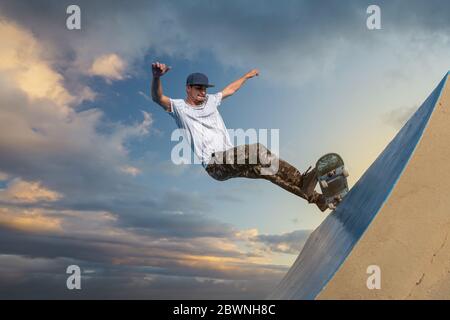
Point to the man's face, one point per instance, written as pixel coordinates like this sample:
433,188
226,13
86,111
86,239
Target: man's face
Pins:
197,93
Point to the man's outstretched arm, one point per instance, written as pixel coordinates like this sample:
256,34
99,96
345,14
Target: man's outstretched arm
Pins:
158,70
234,86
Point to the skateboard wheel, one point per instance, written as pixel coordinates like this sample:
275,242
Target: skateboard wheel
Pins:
345,173
323,184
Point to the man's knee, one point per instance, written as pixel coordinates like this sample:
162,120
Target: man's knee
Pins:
261,146
257,147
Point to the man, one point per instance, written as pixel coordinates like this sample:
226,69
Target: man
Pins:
198,115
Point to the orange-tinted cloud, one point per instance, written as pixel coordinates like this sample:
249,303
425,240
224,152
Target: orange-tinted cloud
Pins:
21,59
20,191
131,170
109,66
29,220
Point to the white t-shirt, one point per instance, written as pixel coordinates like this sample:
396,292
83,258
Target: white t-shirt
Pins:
203,125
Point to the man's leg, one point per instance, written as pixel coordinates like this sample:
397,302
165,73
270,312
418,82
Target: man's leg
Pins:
249,161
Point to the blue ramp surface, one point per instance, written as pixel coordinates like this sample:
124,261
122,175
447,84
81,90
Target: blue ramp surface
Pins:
331,243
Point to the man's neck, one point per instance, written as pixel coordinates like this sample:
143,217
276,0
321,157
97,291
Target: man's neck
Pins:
192,103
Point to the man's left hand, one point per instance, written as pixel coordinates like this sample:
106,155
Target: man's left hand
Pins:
252,73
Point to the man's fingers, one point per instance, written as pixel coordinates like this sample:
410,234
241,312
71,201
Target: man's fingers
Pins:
253,72
161,67
155,67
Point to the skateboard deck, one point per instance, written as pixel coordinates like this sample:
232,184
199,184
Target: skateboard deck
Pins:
332,178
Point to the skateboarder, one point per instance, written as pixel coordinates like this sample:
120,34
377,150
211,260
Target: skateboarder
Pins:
199,116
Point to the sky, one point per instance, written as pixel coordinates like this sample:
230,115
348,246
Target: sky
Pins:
86,176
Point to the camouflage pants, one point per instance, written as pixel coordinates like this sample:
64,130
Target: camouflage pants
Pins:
253,161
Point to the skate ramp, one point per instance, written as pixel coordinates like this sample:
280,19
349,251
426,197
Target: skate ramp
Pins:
397,217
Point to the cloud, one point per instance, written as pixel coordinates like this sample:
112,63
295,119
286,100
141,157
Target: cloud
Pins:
247,234
317,37
146,97
64,150
3,176
42,138
20,191
131,170
28,220
398,117
291,242
41,278
139,129
21,62
97,242
109,66
84,94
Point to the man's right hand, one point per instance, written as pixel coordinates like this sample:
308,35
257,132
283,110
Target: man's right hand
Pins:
159,69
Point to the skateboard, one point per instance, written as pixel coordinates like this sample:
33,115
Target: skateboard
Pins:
332,178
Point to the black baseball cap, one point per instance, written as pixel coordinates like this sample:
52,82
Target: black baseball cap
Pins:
198,79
